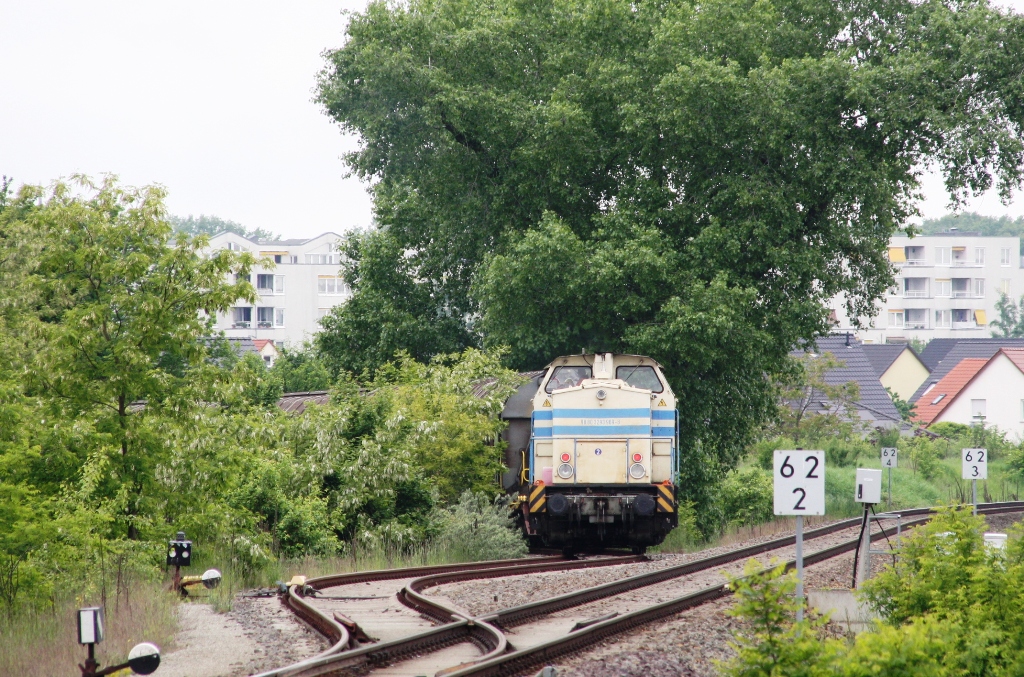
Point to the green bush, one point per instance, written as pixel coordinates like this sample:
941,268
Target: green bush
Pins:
477,529
842,453
747,497
951,607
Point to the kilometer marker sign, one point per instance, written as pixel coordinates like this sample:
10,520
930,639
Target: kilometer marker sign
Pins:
799,480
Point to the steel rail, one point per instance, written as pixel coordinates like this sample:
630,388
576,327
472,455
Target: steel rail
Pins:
334,580
521,660
456,629
412,597
482,630
433,640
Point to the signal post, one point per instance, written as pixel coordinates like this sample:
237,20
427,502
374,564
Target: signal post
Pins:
799,483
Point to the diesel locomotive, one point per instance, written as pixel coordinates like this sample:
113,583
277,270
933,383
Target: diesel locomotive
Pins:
592,445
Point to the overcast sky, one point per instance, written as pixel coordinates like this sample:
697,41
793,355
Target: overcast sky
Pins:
211,99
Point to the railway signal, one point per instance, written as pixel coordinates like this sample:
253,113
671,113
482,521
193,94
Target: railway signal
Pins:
974,467
799,483
143,659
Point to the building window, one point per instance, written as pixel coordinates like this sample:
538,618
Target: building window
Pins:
241,317
270,284
978,408
321,313
267,317
1022,410
979,256
916,318
1004,286
979,288
234,247
331,285
942,256
943,288
322,259
1004,256
243,278
943,319
896,319
915,287
963,319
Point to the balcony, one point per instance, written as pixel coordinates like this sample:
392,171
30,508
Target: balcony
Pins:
240,325
916,262
915,294
265,325
965,325
916,325
958,294
966,264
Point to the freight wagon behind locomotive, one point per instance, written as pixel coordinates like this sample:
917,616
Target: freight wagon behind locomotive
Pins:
593,448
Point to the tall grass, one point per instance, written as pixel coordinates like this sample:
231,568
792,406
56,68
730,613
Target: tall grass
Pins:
475,529
44,643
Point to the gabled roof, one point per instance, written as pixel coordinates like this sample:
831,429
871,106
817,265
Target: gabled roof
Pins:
260,344
875,403
961,350
936,350
882,355
947,389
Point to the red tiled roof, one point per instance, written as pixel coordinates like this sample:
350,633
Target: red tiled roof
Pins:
933,402
1016,356
262,343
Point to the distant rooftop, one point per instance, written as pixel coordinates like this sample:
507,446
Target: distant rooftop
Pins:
291,242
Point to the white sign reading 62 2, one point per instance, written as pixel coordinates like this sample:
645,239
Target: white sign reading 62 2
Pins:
799,479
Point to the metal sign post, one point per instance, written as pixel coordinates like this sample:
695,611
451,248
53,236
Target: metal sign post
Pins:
889,461
799,483
974,467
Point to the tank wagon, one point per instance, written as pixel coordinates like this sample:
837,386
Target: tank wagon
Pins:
593,452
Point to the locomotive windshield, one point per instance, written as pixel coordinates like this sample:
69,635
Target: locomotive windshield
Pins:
567,377
640,377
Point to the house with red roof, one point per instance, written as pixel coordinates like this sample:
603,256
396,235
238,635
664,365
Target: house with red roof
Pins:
267,350
977,389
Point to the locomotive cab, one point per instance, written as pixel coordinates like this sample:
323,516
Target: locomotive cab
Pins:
601,459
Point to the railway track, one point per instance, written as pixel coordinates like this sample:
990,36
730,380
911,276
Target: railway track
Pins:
479,645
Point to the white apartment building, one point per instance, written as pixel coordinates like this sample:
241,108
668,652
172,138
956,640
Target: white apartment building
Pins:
947,286
297,285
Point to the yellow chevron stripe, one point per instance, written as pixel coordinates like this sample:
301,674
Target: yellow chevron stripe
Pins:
535,492
664,505
539,505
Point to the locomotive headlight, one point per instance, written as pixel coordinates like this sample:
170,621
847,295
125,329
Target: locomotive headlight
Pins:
637,458
565,458
601,394
565,471
637,471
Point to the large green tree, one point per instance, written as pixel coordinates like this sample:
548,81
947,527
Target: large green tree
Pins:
688,180
113,328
